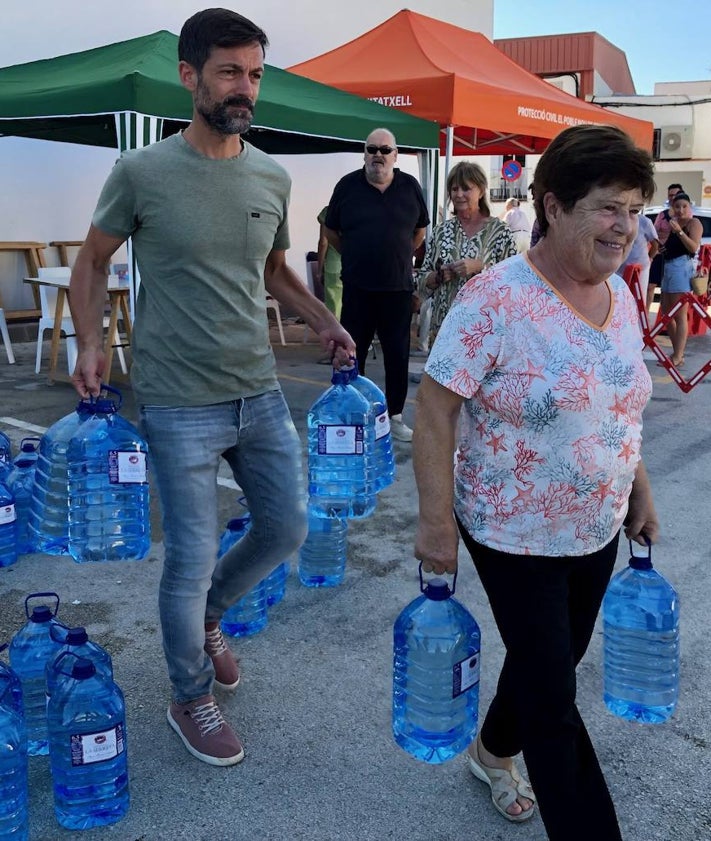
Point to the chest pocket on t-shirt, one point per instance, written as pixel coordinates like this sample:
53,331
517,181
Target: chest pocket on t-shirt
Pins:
260,230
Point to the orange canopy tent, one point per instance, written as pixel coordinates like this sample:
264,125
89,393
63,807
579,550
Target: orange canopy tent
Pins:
484,102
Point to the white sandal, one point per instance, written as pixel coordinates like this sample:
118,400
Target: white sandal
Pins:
506,786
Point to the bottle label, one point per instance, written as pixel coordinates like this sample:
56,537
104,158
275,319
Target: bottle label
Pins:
7,514
465,675
340,440
127,467
382,425
88,748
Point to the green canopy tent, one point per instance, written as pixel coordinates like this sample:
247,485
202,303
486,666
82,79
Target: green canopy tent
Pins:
79,97
127,95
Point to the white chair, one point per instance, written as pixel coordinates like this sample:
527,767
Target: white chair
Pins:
59,276
273,304
6,338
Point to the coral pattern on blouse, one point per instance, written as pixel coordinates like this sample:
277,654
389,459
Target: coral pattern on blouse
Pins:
551,428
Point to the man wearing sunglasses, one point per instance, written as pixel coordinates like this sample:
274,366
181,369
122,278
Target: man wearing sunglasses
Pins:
376,219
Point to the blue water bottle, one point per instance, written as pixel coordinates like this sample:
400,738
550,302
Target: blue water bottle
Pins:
275,584
322,557
109,517
5,455
383,462
20,483
30,650
8,675
249,615
29,448
76,641
49,509
641,643
436,656
8,527
341,439
14,824
87,746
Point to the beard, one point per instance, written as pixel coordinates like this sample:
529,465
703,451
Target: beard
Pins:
218,114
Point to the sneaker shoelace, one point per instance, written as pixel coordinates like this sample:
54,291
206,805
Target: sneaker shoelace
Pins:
207,717
215,642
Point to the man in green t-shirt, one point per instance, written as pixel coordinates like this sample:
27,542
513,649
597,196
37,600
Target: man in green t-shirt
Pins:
207,213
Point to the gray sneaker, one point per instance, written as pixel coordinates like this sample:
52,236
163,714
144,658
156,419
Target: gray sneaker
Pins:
399,430
223,660
204,732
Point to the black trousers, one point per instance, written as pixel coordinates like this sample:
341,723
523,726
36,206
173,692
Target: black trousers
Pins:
545,609
388,314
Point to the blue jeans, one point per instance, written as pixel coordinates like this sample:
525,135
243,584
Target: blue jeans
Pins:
257,438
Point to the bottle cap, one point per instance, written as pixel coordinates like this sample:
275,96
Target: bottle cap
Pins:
342,377
83,669
41,613
76,636
437,589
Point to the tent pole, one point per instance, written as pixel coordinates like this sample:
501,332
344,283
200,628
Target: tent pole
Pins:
447,163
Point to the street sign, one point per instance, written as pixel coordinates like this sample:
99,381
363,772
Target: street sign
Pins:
511,170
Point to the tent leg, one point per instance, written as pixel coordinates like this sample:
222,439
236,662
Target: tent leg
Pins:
447,164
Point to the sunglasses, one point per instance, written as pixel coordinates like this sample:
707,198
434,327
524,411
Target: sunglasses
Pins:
384,150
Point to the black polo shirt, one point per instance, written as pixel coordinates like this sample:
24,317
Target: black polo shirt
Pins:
376,230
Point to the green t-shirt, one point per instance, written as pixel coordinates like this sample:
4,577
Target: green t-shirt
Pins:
202,230
332,260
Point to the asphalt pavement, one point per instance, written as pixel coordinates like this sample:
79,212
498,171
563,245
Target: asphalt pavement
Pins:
314,703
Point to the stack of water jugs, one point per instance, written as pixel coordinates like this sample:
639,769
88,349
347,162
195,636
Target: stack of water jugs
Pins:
350,459
249,615
81,489
58,697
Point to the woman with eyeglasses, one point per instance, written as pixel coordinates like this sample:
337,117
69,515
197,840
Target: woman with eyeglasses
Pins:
683,242
527,446
464,245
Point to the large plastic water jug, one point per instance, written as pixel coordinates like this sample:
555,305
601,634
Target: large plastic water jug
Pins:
76,641
49,510
87,745
249,615
322,557
109,517
5,455
641,643
275,584
436,656
29,448
8,527
9,675
383,462
21,482
13,767
341,440
31,649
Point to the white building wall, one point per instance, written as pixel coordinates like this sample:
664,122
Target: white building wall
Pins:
49,189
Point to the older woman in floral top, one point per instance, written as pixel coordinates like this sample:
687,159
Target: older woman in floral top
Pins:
464,245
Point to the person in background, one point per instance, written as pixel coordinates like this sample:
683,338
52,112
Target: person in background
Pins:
661,225
464,245
513,450
208,216
328,274
376,220
644,249
685,232
518,222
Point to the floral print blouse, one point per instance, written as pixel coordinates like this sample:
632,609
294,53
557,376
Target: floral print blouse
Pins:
449,242
551,427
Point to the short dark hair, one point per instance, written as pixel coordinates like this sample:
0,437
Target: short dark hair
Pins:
675,187
216,28
584,157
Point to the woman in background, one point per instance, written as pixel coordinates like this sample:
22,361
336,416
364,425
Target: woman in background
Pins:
464,245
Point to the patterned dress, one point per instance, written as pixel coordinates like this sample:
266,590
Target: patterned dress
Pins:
493,243
550,431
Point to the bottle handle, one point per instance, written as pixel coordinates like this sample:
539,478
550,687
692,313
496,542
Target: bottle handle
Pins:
422,583
648,554
39,596
108,388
